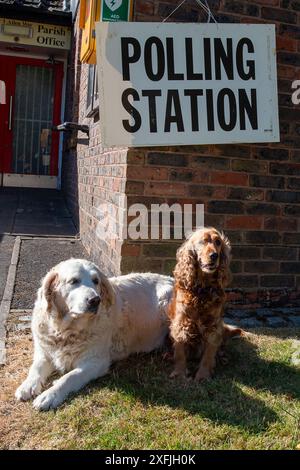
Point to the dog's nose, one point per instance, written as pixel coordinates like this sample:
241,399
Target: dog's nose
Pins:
94,301
214,257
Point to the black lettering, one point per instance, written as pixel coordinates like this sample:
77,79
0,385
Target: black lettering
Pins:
131,110
226,92
225,57
155,77
193,94
152,94
246,107
210,110
189,57
129,59
173,98
207,58
241,68
172,75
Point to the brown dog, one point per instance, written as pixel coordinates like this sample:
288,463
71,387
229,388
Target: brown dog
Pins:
201,274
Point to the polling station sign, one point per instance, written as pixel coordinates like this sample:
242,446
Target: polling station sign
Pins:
187,84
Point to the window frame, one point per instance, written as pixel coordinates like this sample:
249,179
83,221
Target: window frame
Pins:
92,95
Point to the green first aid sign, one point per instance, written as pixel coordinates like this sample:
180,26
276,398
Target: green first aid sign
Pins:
116,10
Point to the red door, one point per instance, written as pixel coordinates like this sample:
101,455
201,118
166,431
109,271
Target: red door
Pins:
28,146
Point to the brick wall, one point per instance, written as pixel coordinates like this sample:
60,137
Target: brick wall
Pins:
101,180
69,162
91,176
250,191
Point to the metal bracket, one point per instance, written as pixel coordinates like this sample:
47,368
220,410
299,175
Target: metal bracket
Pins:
72,127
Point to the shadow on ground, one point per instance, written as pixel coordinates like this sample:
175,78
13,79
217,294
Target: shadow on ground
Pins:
26,211
222,400
37,257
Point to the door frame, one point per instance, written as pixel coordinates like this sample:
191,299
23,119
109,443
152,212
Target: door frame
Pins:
29,180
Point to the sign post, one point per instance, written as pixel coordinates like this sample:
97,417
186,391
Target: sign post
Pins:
187,84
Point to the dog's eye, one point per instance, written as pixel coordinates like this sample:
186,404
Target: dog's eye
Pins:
218,242
74,281
96,281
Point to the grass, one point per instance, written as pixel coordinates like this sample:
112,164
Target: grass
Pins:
252,403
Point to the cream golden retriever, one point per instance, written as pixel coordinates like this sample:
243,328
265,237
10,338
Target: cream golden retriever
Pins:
82,322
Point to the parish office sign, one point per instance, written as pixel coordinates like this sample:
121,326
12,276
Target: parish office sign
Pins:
181,84
35,34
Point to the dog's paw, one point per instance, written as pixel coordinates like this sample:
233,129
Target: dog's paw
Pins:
48,400
30,388
202,374
182,374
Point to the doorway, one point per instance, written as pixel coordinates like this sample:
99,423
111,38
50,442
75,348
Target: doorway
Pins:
29,147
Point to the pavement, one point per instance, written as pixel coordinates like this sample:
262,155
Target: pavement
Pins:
36,233
37,256
25,211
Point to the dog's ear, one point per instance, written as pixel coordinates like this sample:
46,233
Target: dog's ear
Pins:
185,271
225,258
48,284
107,292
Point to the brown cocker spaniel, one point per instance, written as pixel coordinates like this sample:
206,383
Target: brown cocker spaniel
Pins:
196,311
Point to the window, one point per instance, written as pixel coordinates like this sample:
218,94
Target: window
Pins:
92,100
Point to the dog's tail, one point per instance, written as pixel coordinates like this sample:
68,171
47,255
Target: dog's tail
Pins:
230,331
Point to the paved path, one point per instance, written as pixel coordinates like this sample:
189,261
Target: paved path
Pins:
25,211
26,215
37,257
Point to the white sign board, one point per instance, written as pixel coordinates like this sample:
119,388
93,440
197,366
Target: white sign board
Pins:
182,84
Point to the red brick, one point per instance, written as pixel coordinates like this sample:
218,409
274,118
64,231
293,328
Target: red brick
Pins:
229,178
145,7
286,44
163,189
234,296
201,176
244,222
135,158
251,20
284,71
281,224
131,250
204,191
274,3
134,187
279,14
138,172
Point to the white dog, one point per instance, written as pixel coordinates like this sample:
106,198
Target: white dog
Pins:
82,322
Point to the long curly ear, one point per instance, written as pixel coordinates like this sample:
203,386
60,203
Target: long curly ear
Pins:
48,284
185,271
225,258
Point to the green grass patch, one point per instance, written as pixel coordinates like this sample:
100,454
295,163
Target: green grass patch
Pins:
252,403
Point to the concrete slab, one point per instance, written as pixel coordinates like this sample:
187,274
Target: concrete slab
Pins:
26,211
7,297
6,248
60,230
